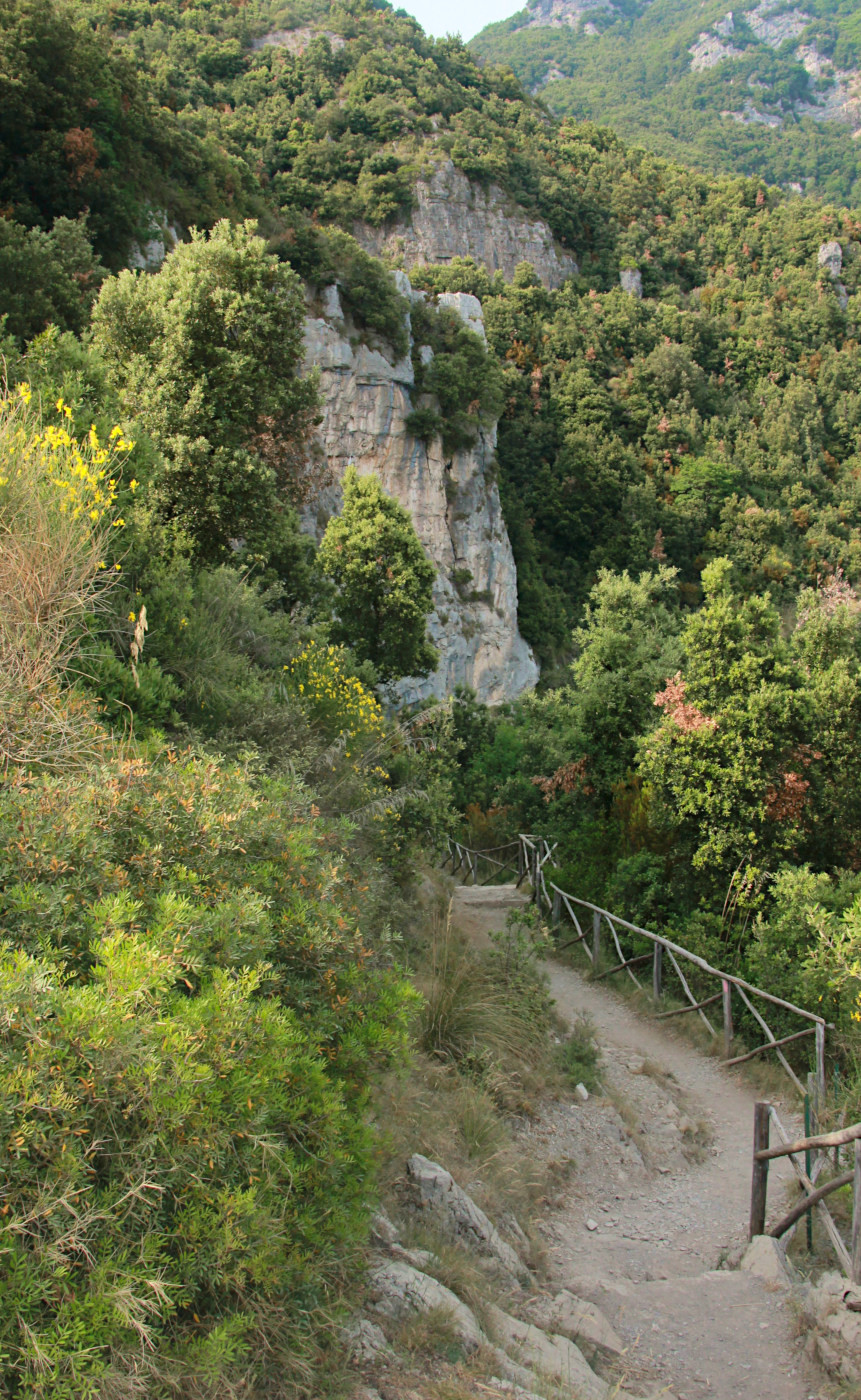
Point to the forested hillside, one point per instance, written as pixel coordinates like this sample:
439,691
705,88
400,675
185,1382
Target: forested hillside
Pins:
768,89
213,818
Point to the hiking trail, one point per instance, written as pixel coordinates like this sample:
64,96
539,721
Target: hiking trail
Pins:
657,1197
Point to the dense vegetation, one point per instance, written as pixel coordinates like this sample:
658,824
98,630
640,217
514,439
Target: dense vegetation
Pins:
208,827
754,112
210,823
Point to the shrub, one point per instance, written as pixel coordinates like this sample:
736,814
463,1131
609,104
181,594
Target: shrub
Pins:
189,1021
578,1057
336,701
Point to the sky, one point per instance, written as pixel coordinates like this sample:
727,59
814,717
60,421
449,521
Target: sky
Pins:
463,17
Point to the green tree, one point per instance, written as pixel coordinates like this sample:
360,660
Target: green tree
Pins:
383,579
722,761
628,646
207,353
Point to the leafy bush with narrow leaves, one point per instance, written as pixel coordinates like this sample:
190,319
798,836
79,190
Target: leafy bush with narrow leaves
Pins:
189,1020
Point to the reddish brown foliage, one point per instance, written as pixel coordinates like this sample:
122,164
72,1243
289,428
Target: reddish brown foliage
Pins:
82,153
686,716
784,802
571,777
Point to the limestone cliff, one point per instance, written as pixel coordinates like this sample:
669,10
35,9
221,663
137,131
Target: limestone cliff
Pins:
454,505
453,217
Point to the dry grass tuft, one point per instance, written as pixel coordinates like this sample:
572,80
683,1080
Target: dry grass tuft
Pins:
52,546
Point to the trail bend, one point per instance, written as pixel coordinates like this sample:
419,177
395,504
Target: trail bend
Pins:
655,1198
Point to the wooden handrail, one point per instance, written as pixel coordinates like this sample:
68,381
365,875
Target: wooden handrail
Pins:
770,1045
536,852
808,1202
686,1010
811,1144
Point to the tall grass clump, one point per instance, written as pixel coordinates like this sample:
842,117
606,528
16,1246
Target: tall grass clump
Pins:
487,1014
57,498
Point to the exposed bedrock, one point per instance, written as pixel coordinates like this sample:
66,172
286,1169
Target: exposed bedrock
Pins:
454,504
454,217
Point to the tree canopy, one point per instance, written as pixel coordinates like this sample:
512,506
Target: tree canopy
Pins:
383,580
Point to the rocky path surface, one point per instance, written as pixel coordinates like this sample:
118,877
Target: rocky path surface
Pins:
654,1196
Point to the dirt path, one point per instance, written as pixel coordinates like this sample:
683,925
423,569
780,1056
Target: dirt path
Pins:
654,1196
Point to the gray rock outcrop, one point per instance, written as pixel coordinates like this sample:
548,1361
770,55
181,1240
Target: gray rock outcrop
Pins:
830,257
454,504
454,217
631,281
365,1341
457,1214
397,1290
833,1307
581,1322
164,237
547,1355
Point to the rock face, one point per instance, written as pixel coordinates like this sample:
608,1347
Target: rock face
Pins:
457,1214
165,235
397,1290
454,504
549,1355
833,1307
830,257
631,281
569,14
453,217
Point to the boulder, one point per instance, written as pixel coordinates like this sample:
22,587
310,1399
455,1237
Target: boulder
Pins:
582,1322
830,256
549,1354
383,1232
398,1290
631,281
468,308
457,1214
765,1259
366,1341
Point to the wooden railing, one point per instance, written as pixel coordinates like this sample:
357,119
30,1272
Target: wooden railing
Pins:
814,1196
537,856
532,856
470,861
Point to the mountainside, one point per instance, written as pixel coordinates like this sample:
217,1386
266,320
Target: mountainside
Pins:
667,326
771,89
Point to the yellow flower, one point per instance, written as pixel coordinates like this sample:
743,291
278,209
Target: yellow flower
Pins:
133,485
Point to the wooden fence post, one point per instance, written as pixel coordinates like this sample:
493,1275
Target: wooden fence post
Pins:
727,1019
520,865
856,1216
657,970
759,1183
820,1066
556,912
596,938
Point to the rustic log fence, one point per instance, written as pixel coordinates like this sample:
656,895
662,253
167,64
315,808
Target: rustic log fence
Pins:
470,861
531,856
814,1196
548,895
